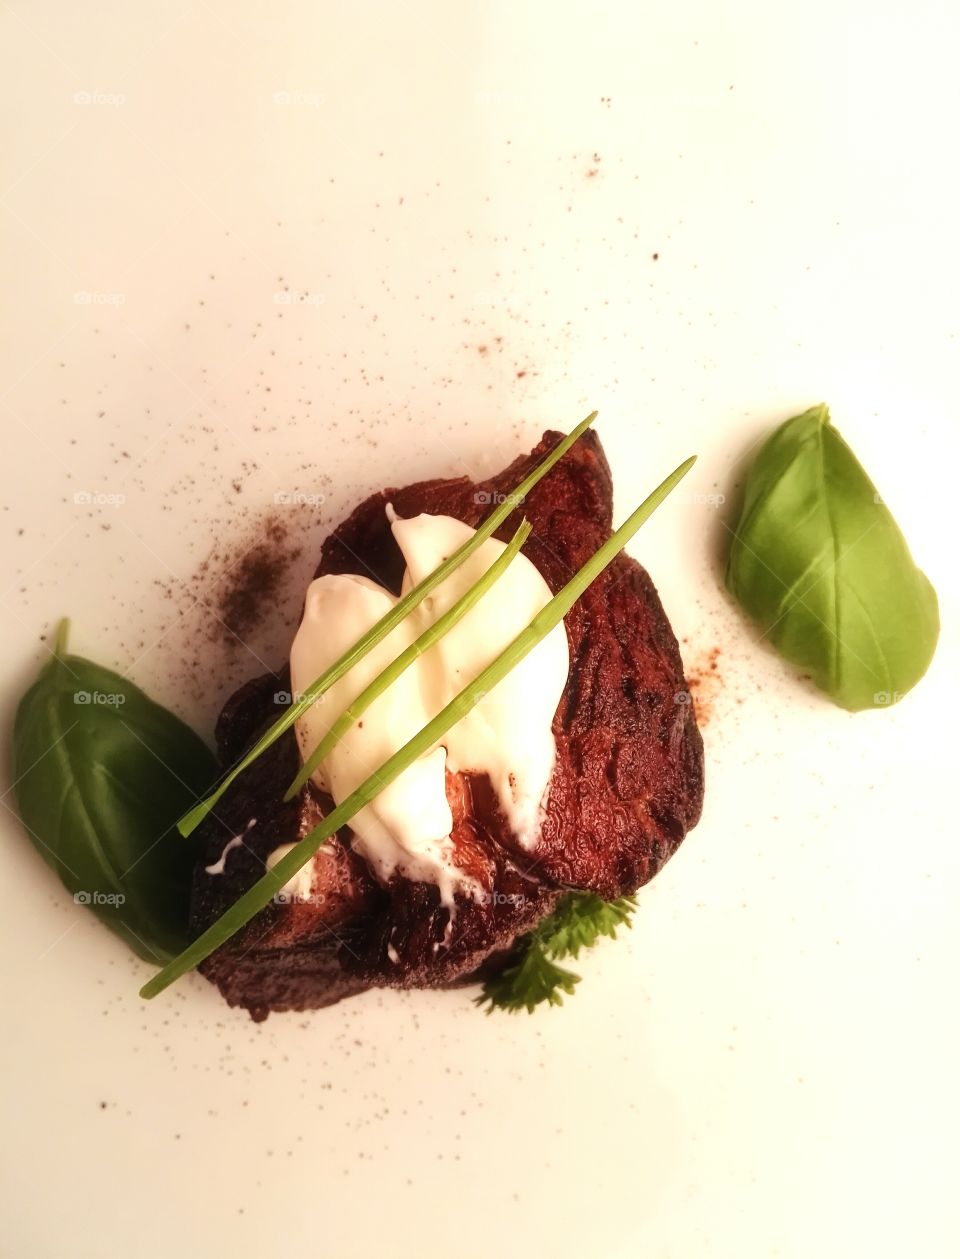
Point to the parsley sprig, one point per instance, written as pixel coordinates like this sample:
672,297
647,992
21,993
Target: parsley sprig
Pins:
533,976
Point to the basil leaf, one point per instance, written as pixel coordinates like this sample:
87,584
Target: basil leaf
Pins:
818,561
101,775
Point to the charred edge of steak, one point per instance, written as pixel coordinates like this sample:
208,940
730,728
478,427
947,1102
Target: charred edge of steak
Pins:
627,785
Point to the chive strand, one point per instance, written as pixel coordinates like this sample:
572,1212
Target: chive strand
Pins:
192,819
432,634
263,891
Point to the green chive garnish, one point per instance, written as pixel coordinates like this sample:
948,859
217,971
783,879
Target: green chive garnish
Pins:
431,635
263,891
192,819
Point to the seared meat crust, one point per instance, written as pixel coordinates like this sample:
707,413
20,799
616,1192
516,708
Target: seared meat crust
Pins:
627,784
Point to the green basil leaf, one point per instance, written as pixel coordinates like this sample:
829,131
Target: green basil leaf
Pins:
101,776
818,561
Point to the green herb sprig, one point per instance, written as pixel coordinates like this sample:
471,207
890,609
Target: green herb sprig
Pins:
533,977
263,891
192,819
817,560
101,773
389,675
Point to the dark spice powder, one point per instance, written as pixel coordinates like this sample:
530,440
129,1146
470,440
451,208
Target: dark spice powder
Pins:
253,582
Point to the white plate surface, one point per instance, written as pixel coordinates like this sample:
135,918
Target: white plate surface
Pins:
316,248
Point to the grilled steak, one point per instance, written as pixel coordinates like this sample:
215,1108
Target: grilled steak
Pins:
627,783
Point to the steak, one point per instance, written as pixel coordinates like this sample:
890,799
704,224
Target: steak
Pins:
626,787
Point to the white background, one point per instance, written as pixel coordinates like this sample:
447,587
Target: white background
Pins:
459,208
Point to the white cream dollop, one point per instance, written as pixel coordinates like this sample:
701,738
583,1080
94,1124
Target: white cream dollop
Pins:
406,827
